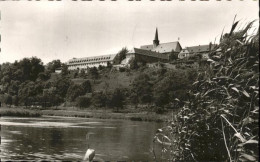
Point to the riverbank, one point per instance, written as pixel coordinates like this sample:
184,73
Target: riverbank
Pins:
100,114
19,112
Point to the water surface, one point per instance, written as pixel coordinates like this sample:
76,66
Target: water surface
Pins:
60,138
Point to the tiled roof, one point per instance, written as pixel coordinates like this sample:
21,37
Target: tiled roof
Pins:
164,47
148,53
185,50
147,47
200,48
93,59
167,47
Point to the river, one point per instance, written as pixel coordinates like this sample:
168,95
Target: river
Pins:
64,138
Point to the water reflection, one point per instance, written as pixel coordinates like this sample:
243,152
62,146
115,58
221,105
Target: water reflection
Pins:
50,138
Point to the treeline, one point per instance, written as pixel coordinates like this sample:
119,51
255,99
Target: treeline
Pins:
29,83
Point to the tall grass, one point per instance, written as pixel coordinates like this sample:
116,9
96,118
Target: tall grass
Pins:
220,120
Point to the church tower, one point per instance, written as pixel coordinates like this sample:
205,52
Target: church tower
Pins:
156,40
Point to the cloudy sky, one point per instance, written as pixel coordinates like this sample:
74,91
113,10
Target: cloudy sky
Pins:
67,29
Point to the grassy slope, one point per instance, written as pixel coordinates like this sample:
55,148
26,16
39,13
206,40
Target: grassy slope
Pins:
109,81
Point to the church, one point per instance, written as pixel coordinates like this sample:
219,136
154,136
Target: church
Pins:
154,52
163,48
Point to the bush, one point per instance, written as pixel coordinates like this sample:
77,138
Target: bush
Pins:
74,91
220,121
99,99
117,100
83,102
121,69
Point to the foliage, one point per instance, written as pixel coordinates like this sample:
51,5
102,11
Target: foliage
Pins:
94,72
51,66
173,56
86,85
74,91
28,92
117,99
121,55
61,84
82,73
173,85
142,89
99,99
64,70
8,100
25,69
83,102
220,120
19,112
133,64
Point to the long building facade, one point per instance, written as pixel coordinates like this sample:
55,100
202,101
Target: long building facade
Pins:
88,62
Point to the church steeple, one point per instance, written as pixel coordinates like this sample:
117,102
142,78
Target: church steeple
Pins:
156,40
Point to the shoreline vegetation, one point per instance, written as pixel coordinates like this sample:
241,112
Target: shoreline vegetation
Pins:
99,114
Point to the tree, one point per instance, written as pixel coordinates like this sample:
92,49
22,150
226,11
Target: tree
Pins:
175,84
109,65
117,100
100,67
44,76
86,85
74,91
51,66
94,72
173,56
82,73
142,88
99,99
64,70
28,92
15,100
83,102
121,55
8,100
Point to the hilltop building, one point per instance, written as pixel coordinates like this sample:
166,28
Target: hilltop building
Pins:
146,53
88,62
163,48
200,49
154,52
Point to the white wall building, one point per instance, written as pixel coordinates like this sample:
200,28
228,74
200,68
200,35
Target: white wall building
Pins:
88,62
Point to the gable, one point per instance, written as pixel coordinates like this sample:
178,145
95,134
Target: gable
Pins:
168,47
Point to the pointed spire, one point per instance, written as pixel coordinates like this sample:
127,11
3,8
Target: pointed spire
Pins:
156,41
156,35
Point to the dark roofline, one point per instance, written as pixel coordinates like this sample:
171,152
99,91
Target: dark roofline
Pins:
201,45
161,43
154,54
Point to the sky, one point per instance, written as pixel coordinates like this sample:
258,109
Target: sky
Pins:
66,29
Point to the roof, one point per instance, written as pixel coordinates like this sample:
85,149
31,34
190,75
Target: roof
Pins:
185,50
93,59
147,47
200,48
148,53
164,47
